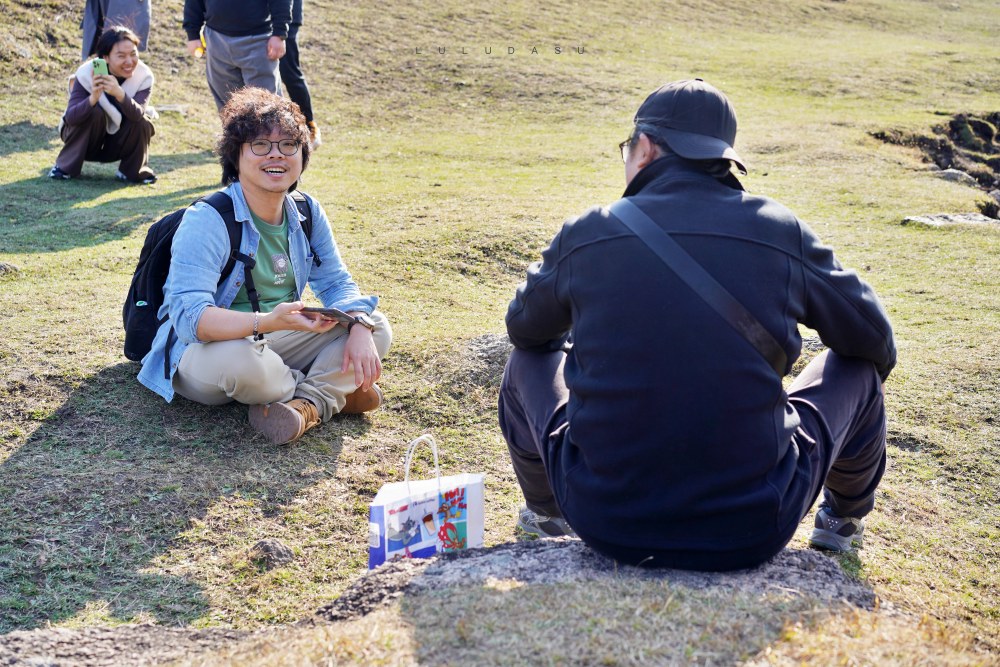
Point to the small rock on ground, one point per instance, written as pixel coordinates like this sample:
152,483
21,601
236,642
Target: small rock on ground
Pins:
943,219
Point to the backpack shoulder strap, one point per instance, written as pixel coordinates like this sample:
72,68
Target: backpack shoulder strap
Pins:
223,203
302,203
702,282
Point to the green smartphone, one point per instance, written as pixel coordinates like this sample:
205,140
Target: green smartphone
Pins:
100,66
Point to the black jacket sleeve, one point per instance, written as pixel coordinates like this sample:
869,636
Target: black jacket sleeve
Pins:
539,318
194,18
844,309
281,16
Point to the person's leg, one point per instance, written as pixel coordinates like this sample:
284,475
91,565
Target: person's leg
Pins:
221,70
240,370
82,142
130,144
292,76
840,402
532,407
320,356
249,55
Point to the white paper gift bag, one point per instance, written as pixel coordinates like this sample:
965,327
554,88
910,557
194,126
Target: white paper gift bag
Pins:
419,518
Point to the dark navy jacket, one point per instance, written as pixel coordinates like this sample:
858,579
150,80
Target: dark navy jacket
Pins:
680,433
238,18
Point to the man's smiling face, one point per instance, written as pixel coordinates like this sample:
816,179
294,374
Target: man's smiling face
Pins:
273,172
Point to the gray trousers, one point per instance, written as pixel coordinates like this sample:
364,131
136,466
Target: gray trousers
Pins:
282,366
235,62
838,399
90,141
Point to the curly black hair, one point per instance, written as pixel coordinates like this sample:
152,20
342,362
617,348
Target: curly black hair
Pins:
252,113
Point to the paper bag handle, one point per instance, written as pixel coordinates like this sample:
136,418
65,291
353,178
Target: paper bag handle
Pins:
429,439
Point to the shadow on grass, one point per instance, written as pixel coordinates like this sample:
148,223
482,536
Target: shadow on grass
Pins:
120,507
43,215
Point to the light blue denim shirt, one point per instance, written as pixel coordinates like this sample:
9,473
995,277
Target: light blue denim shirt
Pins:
198,255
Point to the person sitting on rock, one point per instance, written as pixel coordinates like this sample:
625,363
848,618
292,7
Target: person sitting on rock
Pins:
108,118
293,368
662,435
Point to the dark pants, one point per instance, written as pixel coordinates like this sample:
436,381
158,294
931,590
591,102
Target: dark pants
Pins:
89,141
838,399
292,76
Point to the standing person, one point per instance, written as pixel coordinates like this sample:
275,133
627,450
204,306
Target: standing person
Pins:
244,39
293,369
661,436
294,79
108,118
99,14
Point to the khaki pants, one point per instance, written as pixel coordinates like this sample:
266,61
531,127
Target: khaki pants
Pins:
282,366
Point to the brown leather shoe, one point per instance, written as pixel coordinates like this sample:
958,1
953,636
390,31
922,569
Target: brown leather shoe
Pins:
282,423
362,401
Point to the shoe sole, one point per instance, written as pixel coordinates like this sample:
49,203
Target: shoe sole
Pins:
277,422
534,531
831,541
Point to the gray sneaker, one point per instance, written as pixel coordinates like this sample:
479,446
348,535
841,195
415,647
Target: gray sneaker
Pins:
836,533
533,525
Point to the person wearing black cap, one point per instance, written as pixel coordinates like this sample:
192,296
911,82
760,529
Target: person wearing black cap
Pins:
652,422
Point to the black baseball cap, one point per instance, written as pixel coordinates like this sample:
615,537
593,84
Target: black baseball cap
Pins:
694,118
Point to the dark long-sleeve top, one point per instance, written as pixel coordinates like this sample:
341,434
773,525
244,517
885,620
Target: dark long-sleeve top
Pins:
78,108
679,430
237,18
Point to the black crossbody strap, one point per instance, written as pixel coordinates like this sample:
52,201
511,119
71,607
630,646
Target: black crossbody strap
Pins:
702,282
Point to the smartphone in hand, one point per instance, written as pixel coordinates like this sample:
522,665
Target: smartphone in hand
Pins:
330,314
100,66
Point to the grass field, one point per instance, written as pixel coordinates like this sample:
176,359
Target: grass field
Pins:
452,153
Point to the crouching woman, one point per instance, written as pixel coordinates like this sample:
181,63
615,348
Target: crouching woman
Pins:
294,369
107,118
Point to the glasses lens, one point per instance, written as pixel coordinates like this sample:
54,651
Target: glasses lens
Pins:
260,147
288,146
623,148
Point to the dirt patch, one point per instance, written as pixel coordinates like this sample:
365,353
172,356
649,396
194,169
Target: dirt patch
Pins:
800,573
128,645
967,144
807,573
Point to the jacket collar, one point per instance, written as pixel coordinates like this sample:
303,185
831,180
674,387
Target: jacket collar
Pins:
671,167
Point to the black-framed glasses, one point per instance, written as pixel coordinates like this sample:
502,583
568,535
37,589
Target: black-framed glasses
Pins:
261,147
623,146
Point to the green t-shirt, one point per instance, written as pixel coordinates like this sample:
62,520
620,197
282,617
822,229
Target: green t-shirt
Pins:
272,275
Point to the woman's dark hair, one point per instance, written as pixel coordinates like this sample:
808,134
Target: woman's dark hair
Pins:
112,36
252,113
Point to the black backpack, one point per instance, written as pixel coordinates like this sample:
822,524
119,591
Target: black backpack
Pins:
145,294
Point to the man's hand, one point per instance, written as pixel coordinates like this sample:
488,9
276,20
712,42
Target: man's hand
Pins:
288,317
275,47
361,353
193,47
